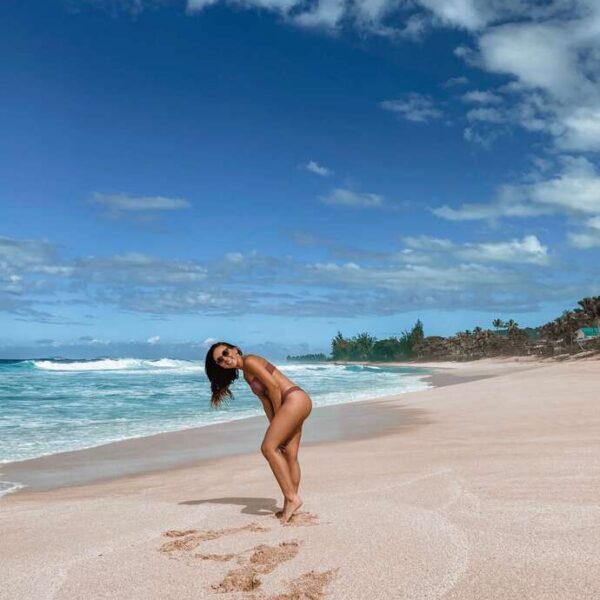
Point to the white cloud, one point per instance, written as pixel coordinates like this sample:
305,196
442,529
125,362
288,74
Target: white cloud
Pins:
490,115
424,242
314,167
326,14
589,237
581,128
574,191
153,340
506,204
553,54
461,13
585,239
539,55
125,203
481,97
421,285
25,254
198,5
346,197
485,139
527,250
373,11
25,268
413,107
136,268
426,272
456,81
329,15
467,54
414,27
234,257
280,6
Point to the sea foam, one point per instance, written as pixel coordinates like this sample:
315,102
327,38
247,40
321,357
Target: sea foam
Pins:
60,405
8,487
116,364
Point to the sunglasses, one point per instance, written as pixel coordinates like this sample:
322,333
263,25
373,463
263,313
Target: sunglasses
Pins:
221,360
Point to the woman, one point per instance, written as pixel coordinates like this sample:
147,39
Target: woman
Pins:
286,406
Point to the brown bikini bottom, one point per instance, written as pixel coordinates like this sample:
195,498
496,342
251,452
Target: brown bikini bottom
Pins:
290,390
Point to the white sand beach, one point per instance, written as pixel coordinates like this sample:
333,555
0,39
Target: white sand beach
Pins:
486,489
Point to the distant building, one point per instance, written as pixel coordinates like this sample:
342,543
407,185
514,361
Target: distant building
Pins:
586,333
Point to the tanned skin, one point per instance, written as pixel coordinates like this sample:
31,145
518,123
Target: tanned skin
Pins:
282,439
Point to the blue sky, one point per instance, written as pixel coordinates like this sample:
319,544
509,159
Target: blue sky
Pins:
271,171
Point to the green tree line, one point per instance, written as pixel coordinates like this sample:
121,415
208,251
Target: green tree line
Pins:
367,347
320,357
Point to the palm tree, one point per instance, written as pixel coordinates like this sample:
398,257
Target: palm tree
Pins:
569,326
416,333
511,324
498,323
591,309
363,343
339,347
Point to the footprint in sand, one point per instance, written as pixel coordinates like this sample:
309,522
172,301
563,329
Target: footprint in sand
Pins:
217,557
190,539
179,532
309,586
264,560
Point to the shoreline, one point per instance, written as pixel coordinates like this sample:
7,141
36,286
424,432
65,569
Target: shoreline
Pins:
454,372
196,446
160,452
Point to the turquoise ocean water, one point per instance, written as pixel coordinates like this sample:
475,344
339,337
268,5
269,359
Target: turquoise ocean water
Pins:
50,406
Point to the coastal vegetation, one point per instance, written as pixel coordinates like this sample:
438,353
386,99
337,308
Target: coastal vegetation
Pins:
320,357
573,331
366,347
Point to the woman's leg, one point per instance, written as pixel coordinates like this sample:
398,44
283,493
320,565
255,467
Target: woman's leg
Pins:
291,455
285,422
290,452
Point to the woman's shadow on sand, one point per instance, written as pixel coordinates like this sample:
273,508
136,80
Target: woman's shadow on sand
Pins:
252,506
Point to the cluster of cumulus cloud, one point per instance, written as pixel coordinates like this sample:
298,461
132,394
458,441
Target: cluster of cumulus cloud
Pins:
422,271
549,51
545,59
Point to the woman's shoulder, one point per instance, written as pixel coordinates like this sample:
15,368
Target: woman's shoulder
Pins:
254,358
251,361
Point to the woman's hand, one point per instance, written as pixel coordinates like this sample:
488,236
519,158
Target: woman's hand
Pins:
268,407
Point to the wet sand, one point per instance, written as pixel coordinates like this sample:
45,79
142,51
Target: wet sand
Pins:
155,453
163,451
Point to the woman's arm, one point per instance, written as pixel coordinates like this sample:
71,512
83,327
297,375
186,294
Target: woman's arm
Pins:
268,407
270,414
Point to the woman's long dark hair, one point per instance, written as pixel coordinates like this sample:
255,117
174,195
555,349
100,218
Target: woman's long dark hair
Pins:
220,378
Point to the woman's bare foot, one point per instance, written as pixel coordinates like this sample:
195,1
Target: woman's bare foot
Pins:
292,506
279,513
